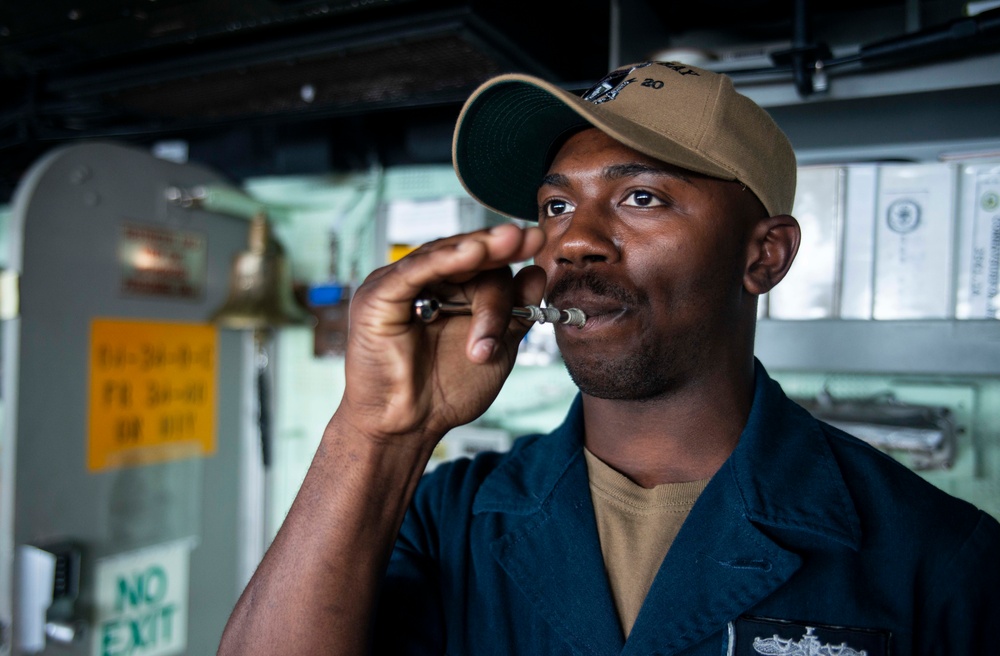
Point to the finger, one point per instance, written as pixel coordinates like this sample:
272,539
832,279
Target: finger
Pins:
504,244
492,303
457,259
507,244
529,285
493,324
501,235
503,250
492,300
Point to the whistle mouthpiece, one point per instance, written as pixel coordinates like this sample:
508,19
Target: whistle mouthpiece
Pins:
570,317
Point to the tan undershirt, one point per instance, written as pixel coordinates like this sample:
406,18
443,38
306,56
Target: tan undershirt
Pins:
636,528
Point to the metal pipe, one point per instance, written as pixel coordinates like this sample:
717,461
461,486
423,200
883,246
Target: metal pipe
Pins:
429,309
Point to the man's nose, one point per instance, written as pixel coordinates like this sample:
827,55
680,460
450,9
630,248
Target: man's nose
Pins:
588,237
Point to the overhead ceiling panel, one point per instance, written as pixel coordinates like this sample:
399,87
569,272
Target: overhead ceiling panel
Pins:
76,69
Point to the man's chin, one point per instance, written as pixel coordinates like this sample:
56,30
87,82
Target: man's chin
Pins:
618,381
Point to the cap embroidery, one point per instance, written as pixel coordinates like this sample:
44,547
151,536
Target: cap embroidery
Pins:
809,645
611,85
680,68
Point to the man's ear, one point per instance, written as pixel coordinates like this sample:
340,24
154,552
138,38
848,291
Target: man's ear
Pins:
770,251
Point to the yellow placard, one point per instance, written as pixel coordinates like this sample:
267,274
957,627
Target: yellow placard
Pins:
152,392
399,251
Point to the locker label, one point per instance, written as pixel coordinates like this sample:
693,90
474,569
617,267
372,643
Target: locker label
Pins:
158,262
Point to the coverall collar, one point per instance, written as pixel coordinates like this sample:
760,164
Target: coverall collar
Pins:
782,474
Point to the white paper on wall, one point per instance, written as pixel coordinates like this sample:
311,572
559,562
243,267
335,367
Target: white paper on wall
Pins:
419,221
914,241
809,290
978,276
858,258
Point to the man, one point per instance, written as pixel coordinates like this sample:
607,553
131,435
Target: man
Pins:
685,506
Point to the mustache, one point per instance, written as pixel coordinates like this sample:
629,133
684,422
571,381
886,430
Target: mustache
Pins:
594,283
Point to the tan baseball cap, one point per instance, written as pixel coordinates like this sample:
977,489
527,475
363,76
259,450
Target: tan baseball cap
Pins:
679,114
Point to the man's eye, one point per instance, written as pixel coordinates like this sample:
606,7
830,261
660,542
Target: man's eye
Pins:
557,207
642,198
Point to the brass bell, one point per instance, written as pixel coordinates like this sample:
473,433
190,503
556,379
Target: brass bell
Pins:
260,285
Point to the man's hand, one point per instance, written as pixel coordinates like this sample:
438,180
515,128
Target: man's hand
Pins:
405,377
408,383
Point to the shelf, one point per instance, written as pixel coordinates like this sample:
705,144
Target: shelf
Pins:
925,347
963,73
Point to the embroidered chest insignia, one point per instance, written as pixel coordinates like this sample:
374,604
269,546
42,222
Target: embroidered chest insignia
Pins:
809,645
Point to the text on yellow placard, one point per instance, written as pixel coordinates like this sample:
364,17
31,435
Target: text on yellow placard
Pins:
152,392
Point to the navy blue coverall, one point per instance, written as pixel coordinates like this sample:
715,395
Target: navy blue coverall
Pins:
806,539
